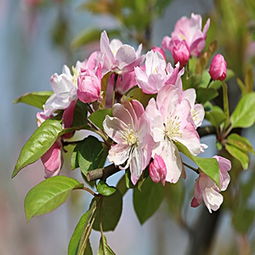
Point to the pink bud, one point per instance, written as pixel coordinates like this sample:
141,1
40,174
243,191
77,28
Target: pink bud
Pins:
218,68
180,52
89,87
157,170
160,50
52,160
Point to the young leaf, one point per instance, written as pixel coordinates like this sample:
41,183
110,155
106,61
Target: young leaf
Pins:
91,154
104,248
108,211
206,94
209,166
137,93
216,116
48,195
147,201
104,189
240,142
38,144
98,117
79,229
36,99
244,113
239,155
80,114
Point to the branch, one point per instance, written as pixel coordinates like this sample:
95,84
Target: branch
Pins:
102,173
207,130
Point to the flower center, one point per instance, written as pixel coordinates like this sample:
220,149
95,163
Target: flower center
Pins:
172,128
130,137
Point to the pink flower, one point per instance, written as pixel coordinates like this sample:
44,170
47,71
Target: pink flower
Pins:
89,87
171,121
156,73
157,170
119,57
208,191
129,129
190,31
179,51
218,68
52,159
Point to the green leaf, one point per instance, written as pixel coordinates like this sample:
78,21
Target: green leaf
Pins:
80,114
240,142
147,201
104,248
79,229
91,154
137,93
209,166
121,186
108,211
84,245
104,189
36,99
38,144
239,155
216,116
206,94
244,113
48,195
98,117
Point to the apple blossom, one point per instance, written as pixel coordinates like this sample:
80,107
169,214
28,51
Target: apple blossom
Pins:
190,31
129,129
160,50
171,121
208,191
119,57
218,68
156,74
64,92
52,159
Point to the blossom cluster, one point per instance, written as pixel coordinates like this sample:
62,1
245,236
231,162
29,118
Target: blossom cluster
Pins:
144,136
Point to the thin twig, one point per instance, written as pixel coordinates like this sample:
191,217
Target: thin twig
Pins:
102,173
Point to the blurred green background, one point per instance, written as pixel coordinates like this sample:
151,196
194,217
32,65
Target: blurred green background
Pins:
37,38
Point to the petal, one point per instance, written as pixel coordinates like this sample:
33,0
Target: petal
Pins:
106,50
119,111
125,55
198,114
119,153
136,165
114,128
212,199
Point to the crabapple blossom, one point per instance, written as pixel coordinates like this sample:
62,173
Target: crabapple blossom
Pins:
218,68
157,169
129,129
156,73
171,121
188,30
208,191
119,57
52,159
64,92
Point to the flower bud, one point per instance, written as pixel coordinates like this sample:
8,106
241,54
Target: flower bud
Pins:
157,170
180,52
89,86
218,68
52,160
